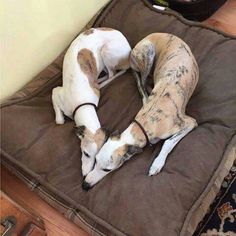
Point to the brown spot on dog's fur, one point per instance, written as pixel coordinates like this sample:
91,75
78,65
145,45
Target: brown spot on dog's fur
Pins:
167,94
87,62
124,152
105,29
123,64
89,31
88,65
120,152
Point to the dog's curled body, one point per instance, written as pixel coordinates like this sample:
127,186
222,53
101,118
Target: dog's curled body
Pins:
93,51
163,113
175,78
89,54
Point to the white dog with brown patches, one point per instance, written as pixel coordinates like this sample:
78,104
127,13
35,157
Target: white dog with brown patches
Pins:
163,113
89,54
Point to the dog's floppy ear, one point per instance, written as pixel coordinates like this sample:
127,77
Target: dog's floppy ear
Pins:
133,149
106,132
115,135
101,137
79,130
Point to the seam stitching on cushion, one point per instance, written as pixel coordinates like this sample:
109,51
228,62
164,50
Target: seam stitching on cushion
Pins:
36,92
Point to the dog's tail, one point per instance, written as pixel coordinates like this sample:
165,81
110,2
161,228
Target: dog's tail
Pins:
141,88
141,60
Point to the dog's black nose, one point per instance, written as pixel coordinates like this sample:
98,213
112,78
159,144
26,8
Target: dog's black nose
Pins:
85,186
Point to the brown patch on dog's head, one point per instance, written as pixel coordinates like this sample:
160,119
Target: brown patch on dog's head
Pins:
133,149
87,137
100,137
80,131
124,152
105,29
87,63
88,32
120,155
115,135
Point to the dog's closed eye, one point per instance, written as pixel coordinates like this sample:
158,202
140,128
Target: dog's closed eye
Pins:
106,170
86,154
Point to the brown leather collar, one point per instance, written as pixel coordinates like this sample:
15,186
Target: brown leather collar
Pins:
81,105
144,132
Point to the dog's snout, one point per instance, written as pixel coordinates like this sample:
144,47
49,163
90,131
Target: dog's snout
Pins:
85,186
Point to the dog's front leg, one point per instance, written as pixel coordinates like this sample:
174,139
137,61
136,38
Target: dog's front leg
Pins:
168,146
56,105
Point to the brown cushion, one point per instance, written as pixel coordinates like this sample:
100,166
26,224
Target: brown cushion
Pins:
127,201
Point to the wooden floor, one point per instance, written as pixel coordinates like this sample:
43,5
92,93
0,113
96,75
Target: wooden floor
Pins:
56,224
9,207
225,18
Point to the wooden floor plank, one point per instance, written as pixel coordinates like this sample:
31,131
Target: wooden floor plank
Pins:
225,18
8,208
55,223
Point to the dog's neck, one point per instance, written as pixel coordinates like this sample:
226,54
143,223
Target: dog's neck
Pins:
87,116
133,135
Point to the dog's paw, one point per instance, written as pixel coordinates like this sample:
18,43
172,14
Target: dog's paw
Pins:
60,121
152,172
155,168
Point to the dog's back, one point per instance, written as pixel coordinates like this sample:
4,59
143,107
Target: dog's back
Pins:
175,77
84,61
86,48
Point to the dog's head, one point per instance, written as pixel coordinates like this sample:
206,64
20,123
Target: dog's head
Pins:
91,143
111,156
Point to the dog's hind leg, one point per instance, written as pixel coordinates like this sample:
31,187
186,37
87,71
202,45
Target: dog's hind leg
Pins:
114,59
169,144
140,86
102,79
106,82
105,77
56,105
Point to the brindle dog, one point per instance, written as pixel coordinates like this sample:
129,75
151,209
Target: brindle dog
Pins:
176,74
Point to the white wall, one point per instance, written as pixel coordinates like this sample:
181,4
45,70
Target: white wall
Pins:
34,32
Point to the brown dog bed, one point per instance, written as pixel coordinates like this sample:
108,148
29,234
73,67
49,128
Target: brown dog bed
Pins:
127,201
